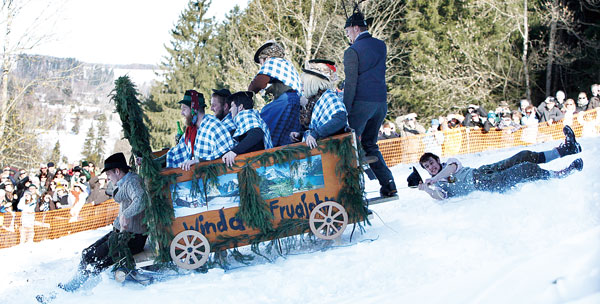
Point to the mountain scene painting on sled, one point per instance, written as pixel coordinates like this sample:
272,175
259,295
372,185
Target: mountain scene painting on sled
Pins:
223,195
286,179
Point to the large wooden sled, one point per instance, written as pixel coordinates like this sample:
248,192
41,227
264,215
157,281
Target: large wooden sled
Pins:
308,190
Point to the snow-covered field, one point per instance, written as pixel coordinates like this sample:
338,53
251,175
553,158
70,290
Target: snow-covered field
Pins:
537,244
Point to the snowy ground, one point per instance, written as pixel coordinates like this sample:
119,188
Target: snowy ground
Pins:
537,244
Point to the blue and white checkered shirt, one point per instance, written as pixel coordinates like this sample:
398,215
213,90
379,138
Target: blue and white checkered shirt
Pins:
328,105
284,71
228,122
212,141
249,119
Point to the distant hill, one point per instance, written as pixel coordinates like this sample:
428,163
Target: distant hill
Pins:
69,92
68,80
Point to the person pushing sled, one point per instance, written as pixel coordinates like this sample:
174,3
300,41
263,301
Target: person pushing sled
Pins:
451,179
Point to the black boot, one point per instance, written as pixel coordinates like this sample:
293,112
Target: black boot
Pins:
575,165
388,189
570,146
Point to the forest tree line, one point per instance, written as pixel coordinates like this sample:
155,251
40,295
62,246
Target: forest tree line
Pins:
442,54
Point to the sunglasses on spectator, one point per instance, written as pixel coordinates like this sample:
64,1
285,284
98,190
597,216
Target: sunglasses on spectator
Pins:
582,97
529,112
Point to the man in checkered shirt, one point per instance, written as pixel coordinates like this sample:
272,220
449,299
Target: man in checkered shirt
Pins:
251,133
328,115
220,106
282,115
205,136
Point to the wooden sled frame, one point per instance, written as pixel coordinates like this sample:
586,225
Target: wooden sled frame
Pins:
194,233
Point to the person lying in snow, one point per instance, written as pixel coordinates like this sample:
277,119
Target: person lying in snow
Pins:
451,179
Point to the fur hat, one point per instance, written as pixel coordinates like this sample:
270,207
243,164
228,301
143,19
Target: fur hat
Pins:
323,67
269,49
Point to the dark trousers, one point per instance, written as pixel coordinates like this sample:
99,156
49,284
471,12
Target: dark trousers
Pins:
97,255
366,119
505,174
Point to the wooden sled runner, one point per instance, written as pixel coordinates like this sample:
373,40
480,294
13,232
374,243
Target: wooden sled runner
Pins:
307,188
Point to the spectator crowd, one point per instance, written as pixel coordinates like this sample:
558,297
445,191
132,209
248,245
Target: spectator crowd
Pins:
48,188
556,109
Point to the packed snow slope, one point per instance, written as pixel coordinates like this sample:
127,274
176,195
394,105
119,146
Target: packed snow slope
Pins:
539,243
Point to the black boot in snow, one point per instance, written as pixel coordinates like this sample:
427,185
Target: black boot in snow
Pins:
575,165
570,146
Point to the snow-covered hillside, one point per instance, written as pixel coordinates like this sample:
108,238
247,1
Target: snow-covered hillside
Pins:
537,244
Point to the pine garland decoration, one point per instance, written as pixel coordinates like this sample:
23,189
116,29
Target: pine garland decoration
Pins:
209,175
280,156
119,251
253,210
159,213
352,192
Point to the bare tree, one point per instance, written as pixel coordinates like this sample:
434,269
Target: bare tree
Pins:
525,35
24,25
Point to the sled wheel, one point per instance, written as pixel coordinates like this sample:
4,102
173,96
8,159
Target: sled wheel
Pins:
328,220
190,249
120,275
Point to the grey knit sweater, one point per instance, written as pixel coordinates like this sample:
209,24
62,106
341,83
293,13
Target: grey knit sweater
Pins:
132,197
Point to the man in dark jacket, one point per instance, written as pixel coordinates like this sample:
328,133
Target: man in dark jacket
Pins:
550,113
365,94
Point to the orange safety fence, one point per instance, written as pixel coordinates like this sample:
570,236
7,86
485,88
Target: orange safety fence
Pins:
405,150
18,227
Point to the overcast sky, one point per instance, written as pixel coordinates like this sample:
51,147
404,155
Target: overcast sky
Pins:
116,31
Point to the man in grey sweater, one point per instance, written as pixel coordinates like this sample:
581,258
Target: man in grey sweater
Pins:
130,194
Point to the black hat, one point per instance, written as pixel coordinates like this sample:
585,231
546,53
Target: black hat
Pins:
262,48
193,96
356,19
222,92
325,61
50,164
414,179
245,98
315,73
114,161
76,169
